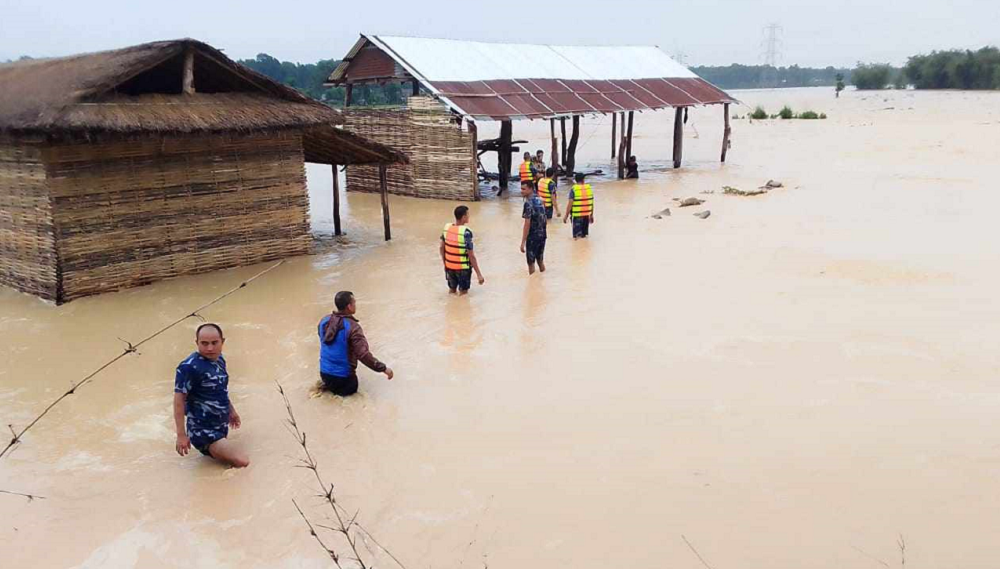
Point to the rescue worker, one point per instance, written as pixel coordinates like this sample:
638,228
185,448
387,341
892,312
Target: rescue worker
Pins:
342,345
539,162
533,232
547,191
457,255
527,169
581,206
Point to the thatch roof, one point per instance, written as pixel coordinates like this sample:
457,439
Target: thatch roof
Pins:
137,90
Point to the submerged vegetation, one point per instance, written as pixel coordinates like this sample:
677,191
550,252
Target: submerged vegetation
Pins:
758,113
786,112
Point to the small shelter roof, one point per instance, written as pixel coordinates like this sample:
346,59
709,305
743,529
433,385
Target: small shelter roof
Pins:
504,81
138,90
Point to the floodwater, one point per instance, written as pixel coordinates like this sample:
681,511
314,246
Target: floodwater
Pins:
797,381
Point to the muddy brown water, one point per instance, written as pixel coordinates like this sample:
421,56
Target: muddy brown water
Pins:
795,381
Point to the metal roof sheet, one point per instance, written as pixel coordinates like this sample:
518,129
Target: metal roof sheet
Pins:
511,81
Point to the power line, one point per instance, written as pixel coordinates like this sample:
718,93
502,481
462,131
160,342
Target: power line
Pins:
771,46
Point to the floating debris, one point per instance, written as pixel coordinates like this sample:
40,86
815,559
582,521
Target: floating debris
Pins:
691,201
703,214
661,214
773,184
731,191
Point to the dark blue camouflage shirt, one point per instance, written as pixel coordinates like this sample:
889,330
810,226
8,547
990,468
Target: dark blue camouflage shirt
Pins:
206,384
534,209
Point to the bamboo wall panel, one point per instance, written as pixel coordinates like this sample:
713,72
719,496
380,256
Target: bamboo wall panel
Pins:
27,236
133,212
441,162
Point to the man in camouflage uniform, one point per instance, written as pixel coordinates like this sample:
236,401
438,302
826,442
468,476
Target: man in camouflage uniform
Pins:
201,395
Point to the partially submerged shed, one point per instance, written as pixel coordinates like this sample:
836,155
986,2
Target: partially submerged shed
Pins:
468,81
125,167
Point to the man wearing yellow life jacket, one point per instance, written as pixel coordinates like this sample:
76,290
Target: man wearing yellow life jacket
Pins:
581,207
527,169
457,255
547,191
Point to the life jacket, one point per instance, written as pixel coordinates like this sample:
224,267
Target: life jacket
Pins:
333,358
543,191
526,175
583,200
456,256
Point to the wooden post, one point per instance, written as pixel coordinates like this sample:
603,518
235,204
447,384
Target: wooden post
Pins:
348,91
187,87
726,132
562,125
614,134
621,146
628,137
678,136
573,140
383,183
503,158
555,145
336,200
474,131
416,88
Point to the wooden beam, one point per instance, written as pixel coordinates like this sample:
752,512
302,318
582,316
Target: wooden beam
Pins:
562,125
416,88
187,87
726,132
678,136
383,183
573,140
336,200
628,137
474,131
614,134
503,155
555,144
348,91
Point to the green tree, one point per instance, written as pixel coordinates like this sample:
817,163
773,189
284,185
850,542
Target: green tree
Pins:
872,75
840,83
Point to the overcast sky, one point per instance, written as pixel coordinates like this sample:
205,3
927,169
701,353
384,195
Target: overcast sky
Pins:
708,32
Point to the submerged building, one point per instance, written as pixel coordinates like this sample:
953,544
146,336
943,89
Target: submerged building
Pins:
129,166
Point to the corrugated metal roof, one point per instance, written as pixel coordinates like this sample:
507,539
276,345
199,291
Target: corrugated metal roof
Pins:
512,81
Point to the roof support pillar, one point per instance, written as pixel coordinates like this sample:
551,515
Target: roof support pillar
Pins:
562,125
383,183
614,134
187,85
336,200
503,155
726,132
573,140
628,137
555,146
678,136
474,132
416,88
348,91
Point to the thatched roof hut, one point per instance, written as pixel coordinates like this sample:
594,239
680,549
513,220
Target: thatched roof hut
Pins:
128,166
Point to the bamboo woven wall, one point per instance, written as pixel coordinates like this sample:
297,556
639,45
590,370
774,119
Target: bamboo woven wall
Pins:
441,159
27,240
128,213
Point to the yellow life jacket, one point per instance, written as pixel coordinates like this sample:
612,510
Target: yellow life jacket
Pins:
583,200
543,191
526,175
456,256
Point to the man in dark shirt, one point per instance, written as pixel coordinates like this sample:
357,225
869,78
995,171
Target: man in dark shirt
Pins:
342,345
633,168
201,395
533,234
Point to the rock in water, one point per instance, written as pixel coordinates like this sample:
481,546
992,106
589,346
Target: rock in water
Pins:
773,184
703,214
691,201
661,214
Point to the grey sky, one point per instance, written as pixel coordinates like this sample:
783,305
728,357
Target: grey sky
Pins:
709,32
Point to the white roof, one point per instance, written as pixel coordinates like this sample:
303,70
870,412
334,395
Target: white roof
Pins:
456,60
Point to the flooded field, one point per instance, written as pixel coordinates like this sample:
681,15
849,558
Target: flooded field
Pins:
796,381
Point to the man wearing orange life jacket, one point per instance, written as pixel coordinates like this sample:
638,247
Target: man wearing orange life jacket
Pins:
581,206
547,191
527,169
457,255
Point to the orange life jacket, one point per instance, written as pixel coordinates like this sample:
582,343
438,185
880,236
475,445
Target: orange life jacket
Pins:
583,200
526,175
456,256
543,191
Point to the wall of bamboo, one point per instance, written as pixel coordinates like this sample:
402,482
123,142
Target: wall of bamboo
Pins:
27,237
442,162
131,212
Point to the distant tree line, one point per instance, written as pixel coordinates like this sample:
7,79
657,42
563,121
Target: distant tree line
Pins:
955,69
309,77
737,76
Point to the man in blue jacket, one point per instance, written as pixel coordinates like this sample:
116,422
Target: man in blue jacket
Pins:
342,345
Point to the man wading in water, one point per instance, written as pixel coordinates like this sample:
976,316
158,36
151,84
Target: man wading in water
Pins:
457,254
533,234
201,394
342,344
581,207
